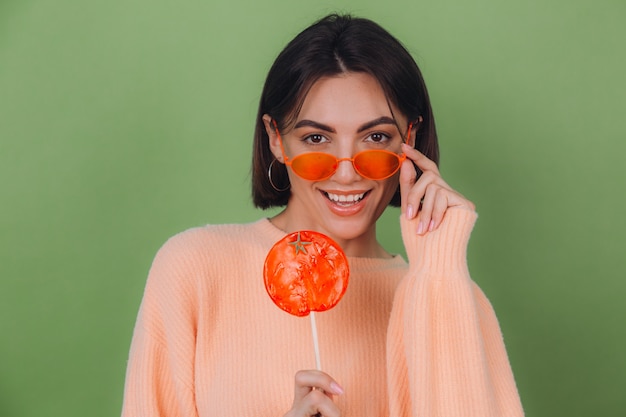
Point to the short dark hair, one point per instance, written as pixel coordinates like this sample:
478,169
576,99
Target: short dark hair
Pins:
334,45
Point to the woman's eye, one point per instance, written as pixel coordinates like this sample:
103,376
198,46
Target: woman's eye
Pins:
315,139
378,137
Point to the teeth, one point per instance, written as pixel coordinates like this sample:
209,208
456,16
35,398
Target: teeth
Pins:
353,198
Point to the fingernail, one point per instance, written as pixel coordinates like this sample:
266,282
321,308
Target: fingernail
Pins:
431,226
420,228
410,211
336,388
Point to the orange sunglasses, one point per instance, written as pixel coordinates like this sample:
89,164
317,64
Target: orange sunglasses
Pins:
374,164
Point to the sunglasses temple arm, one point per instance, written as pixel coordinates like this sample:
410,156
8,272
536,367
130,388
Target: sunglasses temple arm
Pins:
408,133
280,142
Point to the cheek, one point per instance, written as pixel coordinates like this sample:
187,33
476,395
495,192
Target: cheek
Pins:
388,190
391,185
298,185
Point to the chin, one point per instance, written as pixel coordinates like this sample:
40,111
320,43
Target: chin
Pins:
346,229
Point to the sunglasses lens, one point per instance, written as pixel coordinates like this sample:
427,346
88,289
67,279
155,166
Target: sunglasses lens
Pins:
314,166
376,165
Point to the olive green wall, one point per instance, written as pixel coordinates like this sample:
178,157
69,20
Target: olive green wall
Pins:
123,122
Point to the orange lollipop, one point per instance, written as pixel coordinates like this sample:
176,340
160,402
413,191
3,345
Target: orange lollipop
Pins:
306,271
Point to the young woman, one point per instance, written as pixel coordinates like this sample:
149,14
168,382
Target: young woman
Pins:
344,129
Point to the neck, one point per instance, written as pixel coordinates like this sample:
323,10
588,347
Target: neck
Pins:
364,245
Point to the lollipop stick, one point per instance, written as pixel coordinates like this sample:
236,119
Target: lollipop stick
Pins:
316,345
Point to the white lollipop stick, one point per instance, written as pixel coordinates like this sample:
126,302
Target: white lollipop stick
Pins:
316,345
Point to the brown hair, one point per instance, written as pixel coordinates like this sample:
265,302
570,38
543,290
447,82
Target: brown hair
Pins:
334,45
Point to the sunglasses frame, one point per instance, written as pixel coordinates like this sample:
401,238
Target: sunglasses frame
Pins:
289,162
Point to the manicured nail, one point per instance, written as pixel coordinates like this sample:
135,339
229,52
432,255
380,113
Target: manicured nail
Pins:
336,388
420,228
431,226
410,211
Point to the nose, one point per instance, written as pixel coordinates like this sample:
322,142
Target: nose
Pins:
345,172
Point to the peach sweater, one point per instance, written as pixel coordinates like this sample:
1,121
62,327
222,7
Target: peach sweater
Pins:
406,340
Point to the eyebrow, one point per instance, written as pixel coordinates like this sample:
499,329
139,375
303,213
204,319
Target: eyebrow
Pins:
384,120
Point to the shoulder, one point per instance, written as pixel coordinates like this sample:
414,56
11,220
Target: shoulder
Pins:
195,246
198,238
193,256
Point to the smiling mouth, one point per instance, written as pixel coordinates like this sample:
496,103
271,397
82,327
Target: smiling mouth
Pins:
345,200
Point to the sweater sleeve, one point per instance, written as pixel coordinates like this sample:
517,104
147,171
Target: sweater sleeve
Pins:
445,353
160,371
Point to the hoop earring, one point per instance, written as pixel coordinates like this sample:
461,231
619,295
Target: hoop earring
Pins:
269,175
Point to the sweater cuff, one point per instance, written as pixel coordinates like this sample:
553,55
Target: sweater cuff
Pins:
442,252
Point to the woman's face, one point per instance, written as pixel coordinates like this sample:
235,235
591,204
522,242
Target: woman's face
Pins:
341,115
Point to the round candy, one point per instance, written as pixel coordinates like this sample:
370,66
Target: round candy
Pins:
306,271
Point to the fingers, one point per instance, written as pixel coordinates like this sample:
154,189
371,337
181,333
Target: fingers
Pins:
316,403
421,160
305,381
435,203
408,177
314,391
430,195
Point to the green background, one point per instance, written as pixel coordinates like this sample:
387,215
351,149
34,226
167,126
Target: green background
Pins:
123,122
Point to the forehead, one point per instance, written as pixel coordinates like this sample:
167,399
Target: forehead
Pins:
346,100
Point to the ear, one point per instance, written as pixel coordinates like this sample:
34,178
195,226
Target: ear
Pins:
414,128
274,142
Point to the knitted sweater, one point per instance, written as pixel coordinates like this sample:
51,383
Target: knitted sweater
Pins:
406,340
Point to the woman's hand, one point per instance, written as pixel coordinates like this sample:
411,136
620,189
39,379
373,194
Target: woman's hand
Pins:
313,396
430,195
